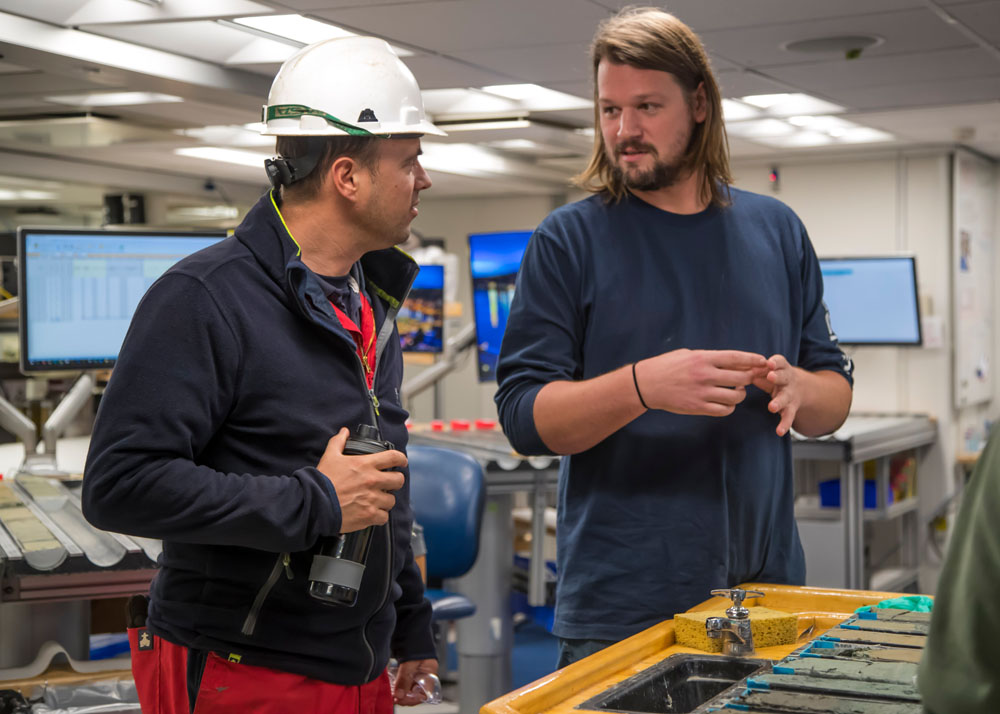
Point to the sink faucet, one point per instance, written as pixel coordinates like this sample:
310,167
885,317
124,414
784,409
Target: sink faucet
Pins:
734,629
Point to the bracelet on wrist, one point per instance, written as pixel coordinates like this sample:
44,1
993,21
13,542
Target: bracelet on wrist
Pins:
635,381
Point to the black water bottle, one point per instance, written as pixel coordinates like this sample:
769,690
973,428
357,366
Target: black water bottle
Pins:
335,576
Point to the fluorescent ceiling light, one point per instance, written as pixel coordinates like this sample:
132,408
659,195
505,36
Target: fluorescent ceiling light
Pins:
498,100
764,100
301,29
530,147
864,135
229,156
537,97
515,145
229,135
760,128
792,104
205,212
737,111
467,102
463,159
483,125
798,139
113,99
26,195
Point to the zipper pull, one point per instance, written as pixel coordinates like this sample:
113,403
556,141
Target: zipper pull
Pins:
286,560
371,395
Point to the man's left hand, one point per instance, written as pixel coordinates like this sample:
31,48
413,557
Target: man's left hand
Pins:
781,381
406,693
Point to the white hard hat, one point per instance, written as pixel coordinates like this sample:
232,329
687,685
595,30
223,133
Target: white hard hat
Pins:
345,86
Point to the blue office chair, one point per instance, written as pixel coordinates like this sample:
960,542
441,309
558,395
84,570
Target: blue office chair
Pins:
448,493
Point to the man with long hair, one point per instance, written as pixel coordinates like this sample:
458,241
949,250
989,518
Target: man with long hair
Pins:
666,334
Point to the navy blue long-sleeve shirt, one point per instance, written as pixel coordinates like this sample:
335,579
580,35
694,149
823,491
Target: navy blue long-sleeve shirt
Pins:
670,506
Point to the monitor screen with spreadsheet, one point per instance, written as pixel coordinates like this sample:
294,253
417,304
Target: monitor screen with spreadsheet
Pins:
872,300
494,259
78,289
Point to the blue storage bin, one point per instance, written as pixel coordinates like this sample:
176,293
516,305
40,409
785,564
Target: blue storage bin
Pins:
829,493
107,646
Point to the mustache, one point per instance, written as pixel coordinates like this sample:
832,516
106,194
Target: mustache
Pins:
634,146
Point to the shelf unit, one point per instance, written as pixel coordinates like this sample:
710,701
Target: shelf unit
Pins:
863,438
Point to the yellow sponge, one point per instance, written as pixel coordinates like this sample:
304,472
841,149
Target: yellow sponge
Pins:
769,627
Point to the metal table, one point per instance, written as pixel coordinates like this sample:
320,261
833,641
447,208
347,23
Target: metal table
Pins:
863,438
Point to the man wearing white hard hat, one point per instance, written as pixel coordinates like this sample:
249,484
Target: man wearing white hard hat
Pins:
223,429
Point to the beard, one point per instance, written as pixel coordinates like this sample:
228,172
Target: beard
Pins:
661,174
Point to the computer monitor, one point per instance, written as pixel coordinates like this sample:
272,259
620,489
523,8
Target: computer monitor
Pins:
78,289
494,259
421,318
873,300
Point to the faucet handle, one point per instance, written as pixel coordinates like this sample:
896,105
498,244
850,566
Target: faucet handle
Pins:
737,595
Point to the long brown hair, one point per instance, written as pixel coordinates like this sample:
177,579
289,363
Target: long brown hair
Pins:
649,38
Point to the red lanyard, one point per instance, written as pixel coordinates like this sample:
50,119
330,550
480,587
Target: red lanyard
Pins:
364,337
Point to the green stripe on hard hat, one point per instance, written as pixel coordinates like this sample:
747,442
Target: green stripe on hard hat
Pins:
294,111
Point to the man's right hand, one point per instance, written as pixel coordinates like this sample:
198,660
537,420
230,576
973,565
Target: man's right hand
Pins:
363,483
704,382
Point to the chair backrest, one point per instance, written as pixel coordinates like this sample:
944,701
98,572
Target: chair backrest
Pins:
448,493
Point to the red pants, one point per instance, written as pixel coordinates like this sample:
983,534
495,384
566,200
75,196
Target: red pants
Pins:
160,671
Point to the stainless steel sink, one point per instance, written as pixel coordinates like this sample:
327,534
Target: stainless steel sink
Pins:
680,684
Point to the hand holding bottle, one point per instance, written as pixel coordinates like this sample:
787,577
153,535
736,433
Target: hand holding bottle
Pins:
416,684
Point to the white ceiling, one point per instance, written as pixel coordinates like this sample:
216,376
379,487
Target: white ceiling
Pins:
934,79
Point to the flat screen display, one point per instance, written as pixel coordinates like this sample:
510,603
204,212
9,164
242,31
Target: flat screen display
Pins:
873,300
421,317
494,259
79,288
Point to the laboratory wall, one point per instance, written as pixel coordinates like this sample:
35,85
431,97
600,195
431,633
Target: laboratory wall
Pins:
884,204
460,395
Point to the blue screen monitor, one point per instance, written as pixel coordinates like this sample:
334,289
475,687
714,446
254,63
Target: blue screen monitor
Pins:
873,300
494,259
78,289
421,318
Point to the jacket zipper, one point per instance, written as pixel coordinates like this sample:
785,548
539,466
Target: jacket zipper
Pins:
373,412
387,529
283,562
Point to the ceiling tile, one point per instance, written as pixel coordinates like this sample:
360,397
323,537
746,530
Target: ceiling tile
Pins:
38,83
54,12
307,6
433,72
904,32
933,123
704,16
23,105
829,77
581,88
923,94
447,26
190,114
203,39
983,17
11,68
544,63
742,84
